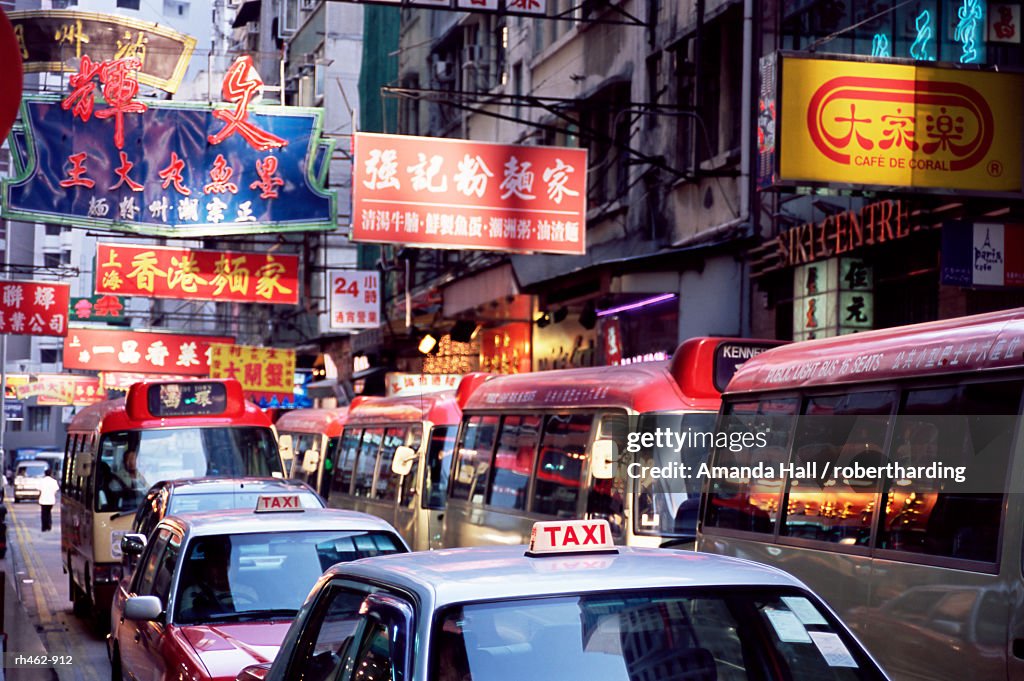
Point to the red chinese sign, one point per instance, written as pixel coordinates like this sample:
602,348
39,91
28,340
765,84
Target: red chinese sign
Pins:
139,351
506,349
122,380
183,273
447,193
32,308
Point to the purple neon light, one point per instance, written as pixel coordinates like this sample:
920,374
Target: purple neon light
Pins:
638,304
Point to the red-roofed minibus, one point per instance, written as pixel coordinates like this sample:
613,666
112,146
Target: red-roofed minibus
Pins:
527,443
394,459
923,555
309,439
116,450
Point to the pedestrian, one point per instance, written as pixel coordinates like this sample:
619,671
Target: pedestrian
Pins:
48,488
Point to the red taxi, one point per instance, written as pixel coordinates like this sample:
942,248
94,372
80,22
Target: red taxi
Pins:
215,592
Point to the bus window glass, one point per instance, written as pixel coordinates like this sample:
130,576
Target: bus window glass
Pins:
606,498
668,506
366,464
513,462
748,502
387,481
300,443
563,451
967,426
346,460
438,466
474,459
837,431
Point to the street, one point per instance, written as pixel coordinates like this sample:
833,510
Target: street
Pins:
34,562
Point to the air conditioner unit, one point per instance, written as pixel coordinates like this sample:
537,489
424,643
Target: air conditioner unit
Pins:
254,27
473,53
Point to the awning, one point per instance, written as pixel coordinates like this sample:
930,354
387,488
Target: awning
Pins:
495,283
247,13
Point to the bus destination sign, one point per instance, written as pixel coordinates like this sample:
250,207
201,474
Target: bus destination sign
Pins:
187,399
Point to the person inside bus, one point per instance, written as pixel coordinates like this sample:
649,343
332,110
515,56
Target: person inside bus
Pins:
125,487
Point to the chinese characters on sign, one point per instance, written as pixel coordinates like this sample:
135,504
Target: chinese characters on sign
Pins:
355,299
832,297
205,170
259,370
50,40
102,309
398,384
183,273
139,351
32,308
448,193
877,124
122,380
63,389
983,254
506,349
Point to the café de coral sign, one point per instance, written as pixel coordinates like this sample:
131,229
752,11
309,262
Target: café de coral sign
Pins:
168,169
874,124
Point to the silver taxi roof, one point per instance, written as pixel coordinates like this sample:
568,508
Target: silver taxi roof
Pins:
243,521
497,572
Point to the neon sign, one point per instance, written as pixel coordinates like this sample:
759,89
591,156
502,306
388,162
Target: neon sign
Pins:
880,46
919,50
967,29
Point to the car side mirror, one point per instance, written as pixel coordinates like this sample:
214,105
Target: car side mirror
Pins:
254,672
602,456
310,461
284,444
133,545
143,608
402,463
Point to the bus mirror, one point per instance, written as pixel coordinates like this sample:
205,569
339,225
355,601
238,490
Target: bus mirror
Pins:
133,544
402,463
310,461
83,466
284,443
601,458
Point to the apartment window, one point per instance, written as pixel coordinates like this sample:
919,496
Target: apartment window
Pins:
39,419
51,259
54,230
65,257
50,355
128,4
603,115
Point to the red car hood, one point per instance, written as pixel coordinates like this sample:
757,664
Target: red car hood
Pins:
225,649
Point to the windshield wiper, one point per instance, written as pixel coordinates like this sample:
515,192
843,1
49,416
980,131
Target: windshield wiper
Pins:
251,615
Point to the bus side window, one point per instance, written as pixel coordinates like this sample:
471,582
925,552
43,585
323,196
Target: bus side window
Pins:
968,429
66,487
387,481
342,481
513,462
437,466
563,451
748,503
366,463
605,498
474,459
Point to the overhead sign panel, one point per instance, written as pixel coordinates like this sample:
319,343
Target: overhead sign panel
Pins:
261,371
34,308
355,299
185,273
139,351
168,169
53,40
447,193
881,124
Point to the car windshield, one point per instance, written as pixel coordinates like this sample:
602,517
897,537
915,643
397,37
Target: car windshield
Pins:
132,460
223,501
724,635
235,578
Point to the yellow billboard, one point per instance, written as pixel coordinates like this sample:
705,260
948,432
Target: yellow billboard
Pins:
259,370
860,123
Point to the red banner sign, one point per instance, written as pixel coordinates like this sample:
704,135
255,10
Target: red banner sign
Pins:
32,308
447,193
139,351
184,273
122,380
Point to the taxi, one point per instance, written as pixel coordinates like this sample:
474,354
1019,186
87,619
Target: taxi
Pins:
215,592
572,605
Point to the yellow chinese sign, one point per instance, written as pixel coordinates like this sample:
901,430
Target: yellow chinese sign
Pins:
260,370
903,126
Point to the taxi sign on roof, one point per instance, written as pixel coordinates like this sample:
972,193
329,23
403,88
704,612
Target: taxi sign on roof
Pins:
278,503
571,536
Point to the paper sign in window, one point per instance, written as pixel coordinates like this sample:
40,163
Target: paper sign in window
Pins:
832,649
787,626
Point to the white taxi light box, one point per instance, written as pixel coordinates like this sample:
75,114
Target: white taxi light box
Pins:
571,536
278,503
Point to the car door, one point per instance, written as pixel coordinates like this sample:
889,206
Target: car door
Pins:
126,631
151,649
382,647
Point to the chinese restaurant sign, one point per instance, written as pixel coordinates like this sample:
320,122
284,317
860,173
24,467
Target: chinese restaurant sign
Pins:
259,370
355,299
51,39
139,351
122,380
63,389
506,349
101,309
168,169
224,276
873,124
983,254
447,193
398,384
32,308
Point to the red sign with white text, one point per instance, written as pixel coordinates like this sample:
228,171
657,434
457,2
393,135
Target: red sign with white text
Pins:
144,352
32,308
184,273
122,380
448,193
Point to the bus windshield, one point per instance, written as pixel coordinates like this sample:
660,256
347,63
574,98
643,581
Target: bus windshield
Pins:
130,461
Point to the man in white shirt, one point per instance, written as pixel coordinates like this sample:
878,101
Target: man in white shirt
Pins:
48,488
